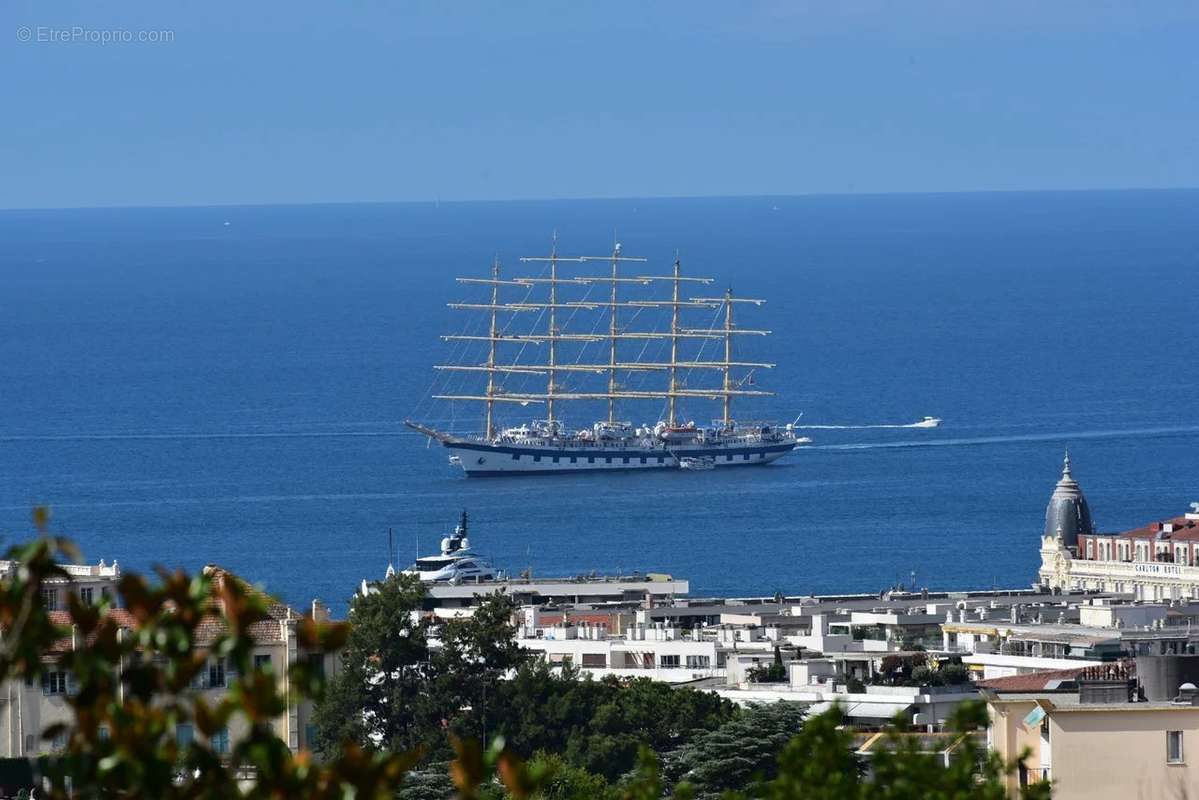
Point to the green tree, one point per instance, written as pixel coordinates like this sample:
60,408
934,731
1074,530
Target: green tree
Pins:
776,672
601,725
564,781
742,752
476,652
818,763
376,698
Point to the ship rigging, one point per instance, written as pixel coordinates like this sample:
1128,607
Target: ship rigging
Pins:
545,445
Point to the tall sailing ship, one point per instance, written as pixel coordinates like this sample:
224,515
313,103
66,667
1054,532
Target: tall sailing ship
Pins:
566,363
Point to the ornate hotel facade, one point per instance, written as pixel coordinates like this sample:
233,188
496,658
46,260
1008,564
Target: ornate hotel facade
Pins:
1158,561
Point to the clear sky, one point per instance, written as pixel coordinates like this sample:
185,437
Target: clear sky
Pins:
262,101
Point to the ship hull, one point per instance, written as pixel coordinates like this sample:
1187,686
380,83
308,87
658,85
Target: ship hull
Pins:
480,459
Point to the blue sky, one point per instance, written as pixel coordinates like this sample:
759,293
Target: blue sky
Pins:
373,100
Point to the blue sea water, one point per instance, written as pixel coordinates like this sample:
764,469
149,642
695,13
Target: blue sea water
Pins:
185,386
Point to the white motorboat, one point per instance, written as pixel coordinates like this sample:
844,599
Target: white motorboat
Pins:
927,422
457,562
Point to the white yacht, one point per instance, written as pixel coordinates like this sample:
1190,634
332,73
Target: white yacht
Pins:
927,422
457,563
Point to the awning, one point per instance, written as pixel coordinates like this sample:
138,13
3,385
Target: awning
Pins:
882,711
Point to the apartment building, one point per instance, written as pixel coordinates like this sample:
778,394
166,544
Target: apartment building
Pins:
27,707
1125,729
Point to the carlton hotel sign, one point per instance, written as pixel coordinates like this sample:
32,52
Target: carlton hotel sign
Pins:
1164,569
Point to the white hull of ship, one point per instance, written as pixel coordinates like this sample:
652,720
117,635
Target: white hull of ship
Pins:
483,460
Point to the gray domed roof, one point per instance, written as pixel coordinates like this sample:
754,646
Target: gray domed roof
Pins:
1068,514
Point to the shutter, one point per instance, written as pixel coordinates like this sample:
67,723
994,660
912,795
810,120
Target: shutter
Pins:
72,686
46,683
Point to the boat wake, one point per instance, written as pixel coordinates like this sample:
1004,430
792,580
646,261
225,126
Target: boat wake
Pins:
1016,438
926,422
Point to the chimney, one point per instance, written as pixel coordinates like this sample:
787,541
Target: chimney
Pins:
319,612
1108,683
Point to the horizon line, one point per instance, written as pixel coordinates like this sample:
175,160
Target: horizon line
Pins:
599,198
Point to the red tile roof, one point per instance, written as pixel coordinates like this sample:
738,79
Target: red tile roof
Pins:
1184,530
1031,682
63,618
267,630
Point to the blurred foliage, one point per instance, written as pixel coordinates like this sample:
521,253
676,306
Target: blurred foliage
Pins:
819,764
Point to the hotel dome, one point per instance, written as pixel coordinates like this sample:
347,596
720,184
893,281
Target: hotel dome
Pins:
1068,515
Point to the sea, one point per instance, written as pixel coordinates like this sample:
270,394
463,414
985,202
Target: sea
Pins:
228,385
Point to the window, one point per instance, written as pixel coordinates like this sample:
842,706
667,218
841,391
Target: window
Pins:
1174,747
87,595
50,599
216,673
59,742
54,682
668,662
102,733
261,661
594,660
317,662
220,741
184,734
699,662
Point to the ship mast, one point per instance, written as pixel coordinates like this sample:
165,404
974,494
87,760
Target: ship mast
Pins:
551,366
495,300
674,342
612,340
728,356
551,384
